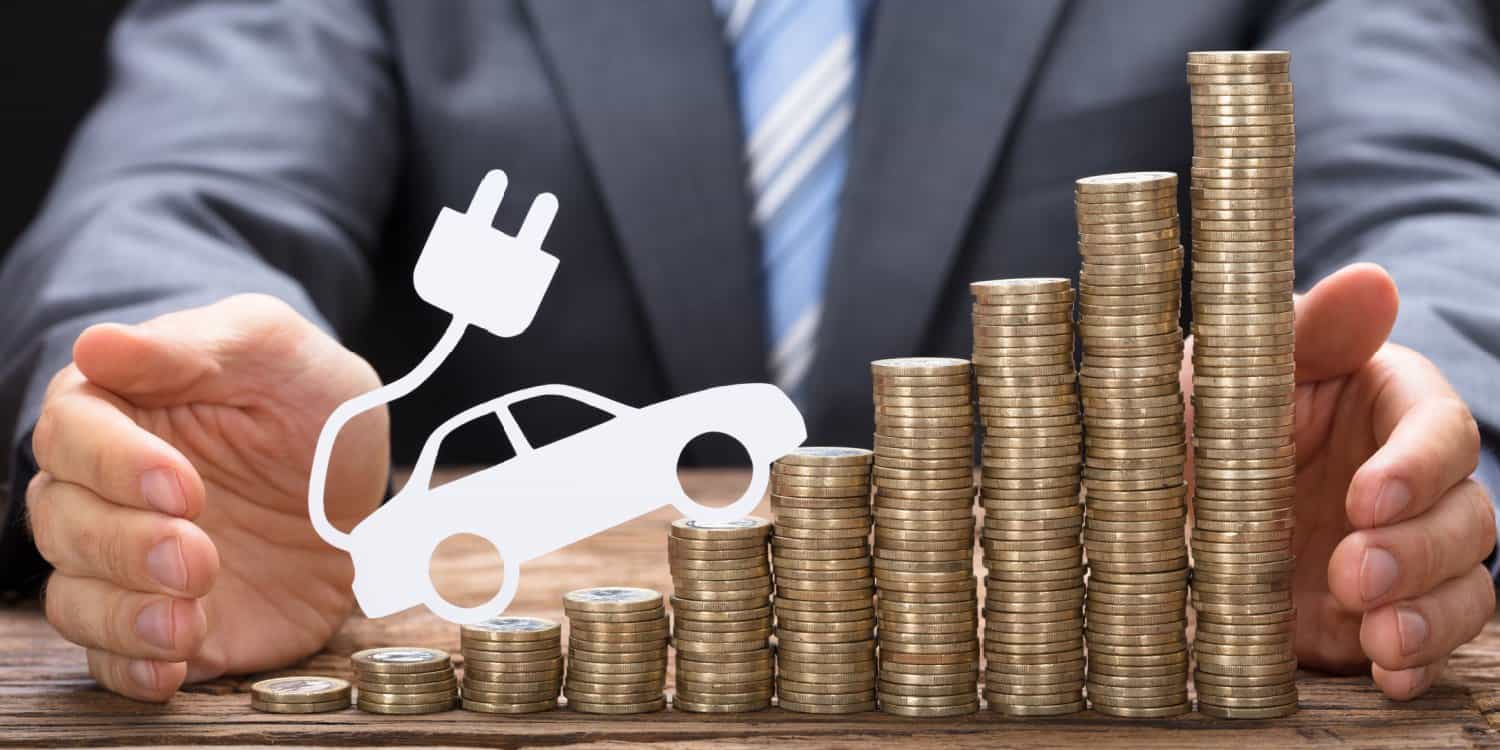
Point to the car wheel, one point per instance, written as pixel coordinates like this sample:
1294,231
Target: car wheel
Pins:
467,615
760,478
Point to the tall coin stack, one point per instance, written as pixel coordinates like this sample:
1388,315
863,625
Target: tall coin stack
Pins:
721,580
617,650
820,500
512,665
1244,457
924,537
404,680
1130,290
1032,458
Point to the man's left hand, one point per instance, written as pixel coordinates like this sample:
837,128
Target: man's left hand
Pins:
1392,530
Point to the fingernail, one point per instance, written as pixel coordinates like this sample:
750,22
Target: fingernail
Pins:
154,624
165,564
1377,574
1415,682
142,673
1393,498
162,490
1413,629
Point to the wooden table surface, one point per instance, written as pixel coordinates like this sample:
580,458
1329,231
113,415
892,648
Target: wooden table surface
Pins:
47,698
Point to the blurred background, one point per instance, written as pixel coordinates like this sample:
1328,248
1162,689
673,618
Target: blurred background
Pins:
52,68
51,71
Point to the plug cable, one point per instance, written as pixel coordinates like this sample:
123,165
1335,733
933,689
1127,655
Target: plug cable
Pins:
352,408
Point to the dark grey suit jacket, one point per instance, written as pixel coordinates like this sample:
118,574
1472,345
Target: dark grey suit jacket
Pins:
303,148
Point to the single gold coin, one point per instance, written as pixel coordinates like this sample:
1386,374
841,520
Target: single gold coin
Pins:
280,707
612,599
301,689
400,660
820,456
512,630
740,528
509,708
406,708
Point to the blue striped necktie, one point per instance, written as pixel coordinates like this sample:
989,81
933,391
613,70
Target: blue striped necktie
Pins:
796,62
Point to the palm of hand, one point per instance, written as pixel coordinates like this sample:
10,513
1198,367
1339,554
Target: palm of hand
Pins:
1335,435
281,592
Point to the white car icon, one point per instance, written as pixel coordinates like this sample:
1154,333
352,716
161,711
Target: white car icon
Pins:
546,498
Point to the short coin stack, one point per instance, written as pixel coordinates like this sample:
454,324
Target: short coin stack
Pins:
825,595
512,665
299,695
721,579
1032,458
404,680
617,650
924,536
1244,457
1134,453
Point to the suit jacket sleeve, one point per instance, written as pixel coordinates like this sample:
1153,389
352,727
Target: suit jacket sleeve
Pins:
241,147
1398,163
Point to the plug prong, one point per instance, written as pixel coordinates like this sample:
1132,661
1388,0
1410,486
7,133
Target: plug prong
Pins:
538,220
488,195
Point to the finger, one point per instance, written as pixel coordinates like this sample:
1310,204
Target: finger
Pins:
1405,684
84,535
1428,442
1374,567
141,679
86,436
97,614
1425,629
1343,320
224,353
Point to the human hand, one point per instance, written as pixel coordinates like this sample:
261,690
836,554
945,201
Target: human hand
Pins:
1391,530
172,496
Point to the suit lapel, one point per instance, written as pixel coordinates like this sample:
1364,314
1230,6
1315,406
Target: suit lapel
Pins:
651,90
943,83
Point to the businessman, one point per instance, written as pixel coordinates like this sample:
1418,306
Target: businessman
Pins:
750,190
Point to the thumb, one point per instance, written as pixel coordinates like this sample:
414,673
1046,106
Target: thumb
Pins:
222,353
1343,320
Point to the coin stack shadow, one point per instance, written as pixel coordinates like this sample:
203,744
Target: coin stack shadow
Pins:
1031,460
924,537
512,665
721,625
404,680
825,593
1244,457
617,650
311,694
1130,289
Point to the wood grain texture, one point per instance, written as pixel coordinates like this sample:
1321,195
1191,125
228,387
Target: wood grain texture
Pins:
47,698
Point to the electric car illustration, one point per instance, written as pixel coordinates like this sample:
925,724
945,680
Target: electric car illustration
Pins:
546,498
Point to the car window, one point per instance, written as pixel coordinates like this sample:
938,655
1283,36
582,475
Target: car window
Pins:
548,419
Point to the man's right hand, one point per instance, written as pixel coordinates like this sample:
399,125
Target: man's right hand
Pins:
172,496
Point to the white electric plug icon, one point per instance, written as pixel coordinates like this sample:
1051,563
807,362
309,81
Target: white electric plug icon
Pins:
538,501
482,275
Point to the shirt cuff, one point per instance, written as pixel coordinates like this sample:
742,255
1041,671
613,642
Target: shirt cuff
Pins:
22,569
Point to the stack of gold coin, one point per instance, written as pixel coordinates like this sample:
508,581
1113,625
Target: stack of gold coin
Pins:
617,650
512,665
404,680
311,694
1130,290
1244,459
1033,442
825,593
721,580
924,537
